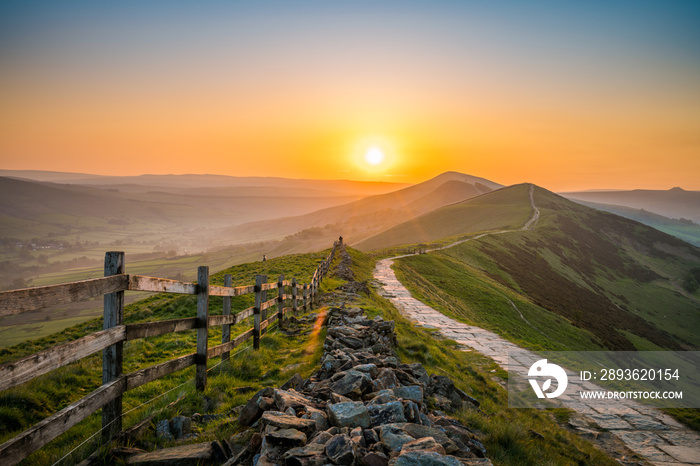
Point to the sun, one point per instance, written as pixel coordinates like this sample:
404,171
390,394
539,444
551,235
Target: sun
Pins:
374,156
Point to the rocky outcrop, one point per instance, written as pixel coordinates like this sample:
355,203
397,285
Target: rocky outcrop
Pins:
362,407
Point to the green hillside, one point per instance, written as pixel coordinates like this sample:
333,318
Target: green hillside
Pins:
581,279
504,209
685,229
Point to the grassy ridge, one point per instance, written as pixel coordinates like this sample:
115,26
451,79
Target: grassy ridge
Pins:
593,279
505,209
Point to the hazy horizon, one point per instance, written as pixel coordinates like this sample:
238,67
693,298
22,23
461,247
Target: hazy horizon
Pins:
578,96
136,175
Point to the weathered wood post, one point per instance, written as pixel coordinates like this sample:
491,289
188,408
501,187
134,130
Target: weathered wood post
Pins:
280,301
112,357
312,290
305,291
256,311
226,330
263,298
295,306
202,326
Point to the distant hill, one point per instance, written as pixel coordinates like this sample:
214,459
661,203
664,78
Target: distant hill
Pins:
674,203
685,229
580,279
360,219
498,210
47,229
337,187
60,204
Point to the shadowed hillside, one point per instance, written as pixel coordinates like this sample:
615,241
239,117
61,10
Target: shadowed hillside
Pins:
616,279
685,229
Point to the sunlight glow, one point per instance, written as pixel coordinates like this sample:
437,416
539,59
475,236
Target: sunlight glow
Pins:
374,156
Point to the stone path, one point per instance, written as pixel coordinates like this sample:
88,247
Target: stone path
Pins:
646,431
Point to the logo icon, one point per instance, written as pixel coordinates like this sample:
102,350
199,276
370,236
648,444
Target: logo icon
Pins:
542,368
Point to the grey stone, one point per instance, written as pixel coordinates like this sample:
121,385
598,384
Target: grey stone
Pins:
683,453
387,379
391,361
387,413
180,426
321,437
309,455
393,437
339,449
349,414
370,369
383,396
412,392
418,372
321,420
374,458
411,411
288,438
283,421
423,444
163,430
285,399
370,436
251,412
420,458
351,383
296,382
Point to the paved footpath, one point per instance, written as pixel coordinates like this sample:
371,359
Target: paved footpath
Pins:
647,431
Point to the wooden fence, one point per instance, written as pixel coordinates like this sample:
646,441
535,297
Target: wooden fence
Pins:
111,339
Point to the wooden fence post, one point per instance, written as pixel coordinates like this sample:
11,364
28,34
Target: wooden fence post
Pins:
263,298
280,301
226,330
256,311
112,357
202,326
310,296
304,293
295,307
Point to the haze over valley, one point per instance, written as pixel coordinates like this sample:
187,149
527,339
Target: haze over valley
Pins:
55,227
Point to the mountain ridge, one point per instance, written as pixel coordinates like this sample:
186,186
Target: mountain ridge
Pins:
612,276
372,214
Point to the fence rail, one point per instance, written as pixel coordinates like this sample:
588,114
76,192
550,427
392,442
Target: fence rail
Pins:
110,340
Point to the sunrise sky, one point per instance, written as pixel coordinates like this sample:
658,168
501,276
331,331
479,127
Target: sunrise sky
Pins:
568,95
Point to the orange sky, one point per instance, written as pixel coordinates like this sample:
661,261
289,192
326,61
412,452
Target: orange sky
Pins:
576,98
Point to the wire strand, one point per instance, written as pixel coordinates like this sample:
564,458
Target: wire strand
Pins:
274,330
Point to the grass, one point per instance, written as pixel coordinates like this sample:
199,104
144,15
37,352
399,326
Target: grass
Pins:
510,435
25,405
469,295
